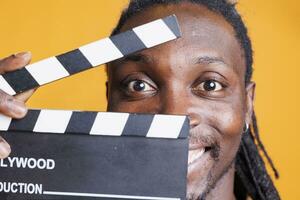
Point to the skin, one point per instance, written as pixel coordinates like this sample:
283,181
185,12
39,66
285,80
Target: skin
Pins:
173,78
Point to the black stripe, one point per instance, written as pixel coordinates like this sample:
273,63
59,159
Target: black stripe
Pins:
27,123
127,42
81,123
20,80
74,61
172,23
137,125
184,132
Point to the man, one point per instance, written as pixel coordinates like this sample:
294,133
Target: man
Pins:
206,75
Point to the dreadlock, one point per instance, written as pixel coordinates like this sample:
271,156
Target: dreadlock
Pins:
251,177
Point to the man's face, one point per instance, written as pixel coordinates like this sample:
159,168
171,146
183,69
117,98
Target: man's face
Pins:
200,75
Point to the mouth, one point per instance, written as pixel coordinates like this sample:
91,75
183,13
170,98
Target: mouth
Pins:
196,154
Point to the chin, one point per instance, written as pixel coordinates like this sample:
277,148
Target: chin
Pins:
205,170
200,177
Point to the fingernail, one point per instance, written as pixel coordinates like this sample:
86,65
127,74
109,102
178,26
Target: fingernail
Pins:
17,107
25,55
4,149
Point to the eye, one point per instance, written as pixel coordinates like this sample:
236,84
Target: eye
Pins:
210,85
139,86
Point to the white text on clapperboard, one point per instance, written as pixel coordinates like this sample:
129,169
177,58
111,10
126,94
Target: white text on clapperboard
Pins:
24,163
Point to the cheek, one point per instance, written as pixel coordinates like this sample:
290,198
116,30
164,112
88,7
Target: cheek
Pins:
228,119
230,123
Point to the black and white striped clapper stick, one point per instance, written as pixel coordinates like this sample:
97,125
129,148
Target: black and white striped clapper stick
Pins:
90,55
99,123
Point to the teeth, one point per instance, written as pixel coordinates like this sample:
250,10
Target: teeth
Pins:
195,154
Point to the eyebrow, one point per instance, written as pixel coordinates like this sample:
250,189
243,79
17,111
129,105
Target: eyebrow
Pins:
209,60
138,57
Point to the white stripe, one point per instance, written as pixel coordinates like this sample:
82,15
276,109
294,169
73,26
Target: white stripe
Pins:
101,52
107,123
106,195
52,121
47,70
154,33
166,126
4,86
4,122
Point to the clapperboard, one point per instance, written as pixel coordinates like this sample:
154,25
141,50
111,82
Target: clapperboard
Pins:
61,155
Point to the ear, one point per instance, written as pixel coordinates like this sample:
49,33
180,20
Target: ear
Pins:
250,95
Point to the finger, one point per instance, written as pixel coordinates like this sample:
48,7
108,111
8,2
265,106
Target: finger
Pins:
11,106
4,148
14,62
24,96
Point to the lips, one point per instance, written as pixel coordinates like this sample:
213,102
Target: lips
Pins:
203,140
195,155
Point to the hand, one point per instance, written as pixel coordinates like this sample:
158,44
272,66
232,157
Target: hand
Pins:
13,106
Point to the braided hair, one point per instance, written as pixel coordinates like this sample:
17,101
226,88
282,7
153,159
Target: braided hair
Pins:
251,177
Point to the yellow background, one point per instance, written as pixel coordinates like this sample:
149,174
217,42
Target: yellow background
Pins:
47,28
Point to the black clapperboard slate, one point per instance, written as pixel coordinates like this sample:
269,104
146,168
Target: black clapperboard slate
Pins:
61,155
105,155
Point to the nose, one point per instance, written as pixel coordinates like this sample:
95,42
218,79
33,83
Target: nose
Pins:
178,102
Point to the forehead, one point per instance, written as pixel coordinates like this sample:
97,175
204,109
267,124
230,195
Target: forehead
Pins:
203,32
